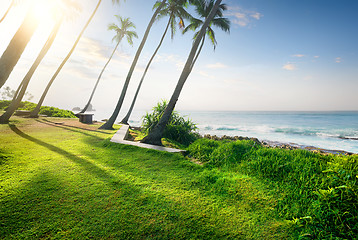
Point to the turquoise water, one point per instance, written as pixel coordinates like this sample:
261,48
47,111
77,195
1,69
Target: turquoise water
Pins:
329,130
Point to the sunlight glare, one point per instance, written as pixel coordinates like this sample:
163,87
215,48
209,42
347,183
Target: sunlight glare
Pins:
44,10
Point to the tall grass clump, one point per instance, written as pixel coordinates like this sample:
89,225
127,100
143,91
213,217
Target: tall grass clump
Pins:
317,193
178,128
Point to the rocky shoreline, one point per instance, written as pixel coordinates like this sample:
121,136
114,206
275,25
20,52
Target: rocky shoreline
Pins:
276,144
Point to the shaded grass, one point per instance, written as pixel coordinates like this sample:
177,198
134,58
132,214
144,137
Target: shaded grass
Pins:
63,181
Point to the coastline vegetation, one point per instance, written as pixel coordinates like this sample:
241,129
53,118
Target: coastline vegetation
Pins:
317,193
84,186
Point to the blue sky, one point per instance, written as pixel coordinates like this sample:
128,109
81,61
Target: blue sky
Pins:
279,55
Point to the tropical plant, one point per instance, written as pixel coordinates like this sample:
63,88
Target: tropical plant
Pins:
35,112
17,45
178,128
154,136
112,119
121,32
176,11
202,8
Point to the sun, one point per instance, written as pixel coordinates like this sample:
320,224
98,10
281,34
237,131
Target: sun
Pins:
44,10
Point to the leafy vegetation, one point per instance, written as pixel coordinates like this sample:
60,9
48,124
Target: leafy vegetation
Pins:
63,180
317,193
178,129
44,110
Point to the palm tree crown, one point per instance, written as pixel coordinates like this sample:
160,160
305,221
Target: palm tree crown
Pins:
122,30
175,9
203,8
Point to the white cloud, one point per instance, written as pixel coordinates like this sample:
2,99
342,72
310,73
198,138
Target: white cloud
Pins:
216,66
178,61
316,56
289,67
298,55
206,75
242,17
338,59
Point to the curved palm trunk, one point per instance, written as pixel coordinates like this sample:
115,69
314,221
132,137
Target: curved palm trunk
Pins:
23,86
155,136
36,111
17,45
126,118
199,51
112,119
99,77
7,11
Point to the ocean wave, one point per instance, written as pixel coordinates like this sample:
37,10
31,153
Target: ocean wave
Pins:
346,134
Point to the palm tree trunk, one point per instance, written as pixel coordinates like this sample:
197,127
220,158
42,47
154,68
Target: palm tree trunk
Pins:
7,11
198,53
126,118
112,119
155,136
17,45
99,77
23,86
36,111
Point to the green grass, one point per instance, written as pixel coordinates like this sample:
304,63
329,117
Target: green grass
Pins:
318,193
63,182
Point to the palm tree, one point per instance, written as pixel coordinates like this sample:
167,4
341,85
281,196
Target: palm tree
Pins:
154,136
202,8
17,45
112,119
121,32
23,86
36,111
174,9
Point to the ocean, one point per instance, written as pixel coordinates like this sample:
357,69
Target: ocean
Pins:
328,130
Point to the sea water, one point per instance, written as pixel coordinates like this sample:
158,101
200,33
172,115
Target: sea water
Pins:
329,130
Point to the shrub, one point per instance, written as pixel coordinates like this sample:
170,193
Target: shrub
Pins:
56,112
178,129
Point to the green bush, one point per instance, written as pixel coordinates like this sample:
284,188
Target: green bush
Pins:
178,129
56,112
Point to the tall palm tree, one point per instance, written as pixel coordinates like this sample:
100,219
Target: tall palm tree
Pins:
112,119
25,82
36,111
121,32
202,8
154,136
17,45
175,9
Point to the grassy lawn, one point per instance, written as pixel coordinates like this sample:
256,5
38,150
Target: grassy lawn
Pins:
63,180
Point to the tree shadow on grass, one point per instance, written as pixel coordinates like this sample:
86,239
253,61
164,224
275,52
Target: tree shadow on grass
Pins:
89,167
117,208
68,127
